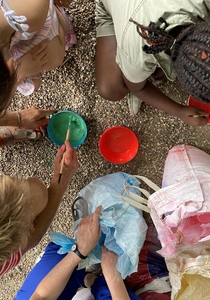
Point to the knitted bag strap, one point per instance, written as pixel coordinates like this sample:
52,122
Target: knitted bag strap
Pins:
137,200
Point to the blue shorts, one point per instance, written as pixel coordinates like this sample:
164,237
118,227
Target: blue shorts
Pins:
101,291
48,261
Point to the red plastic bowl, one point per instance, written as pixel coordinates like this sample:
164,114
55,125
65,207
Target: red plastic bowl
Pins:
204,106
118,144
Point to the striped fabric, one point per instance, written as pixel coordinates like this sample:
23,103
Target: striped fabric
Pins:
19,46
8,265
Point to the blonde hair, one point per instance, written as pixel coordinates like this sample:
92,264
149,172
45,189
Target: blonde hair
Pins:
16,219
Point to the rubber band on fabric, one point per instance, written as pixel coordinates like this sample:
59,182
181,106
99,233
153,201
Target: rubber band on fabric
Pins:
16,22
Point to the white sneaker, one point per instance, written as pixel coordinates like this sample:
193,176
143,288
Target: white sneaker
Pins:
83,294
134,103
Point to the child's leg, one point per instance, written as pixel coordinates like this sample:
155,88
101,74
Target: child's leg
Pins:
42,268
62,42
56,51
67,26
109,79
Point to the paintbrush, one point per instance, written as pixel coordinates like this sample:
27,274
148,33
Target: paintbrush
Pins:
63,159
198,116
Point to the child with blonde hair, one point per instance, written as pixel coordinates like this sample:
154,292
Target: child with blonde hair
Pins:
27,208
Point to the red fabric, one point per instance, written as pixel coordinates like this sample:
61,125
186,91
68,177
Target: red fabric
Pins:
155,296
8,265
150,267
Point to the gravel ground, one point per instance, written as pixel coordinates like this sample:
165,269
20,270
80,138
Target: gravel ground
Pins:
72,86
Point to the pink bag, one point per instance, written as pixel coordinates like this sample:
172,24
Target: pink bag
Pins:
180,210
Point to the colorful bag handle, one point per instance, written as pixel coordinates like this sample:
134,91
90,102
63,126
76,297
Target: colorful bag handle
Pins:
137,200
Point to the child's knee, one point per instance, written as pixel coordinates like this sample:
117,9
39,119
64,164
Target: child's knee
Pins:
58,61
110,92
55,61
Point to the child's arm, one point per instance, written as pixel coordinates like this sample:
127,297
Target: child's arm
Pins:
55,193
153,96
112,276
55,281
29,118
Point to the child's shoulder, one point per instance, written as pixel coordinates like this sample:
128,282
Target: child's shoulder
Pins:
34,10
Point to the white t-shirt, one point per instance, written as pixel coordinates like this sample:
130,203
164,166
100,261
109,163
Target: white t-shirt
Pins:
112,18
83,294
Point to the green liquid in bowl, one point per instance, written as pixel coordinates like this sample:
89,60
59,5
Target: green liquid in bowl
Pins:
59,127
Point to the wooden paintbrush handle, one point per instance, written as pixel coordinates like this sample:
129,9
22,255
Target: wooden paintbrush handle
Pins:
62,163
68,134
63,159
198,116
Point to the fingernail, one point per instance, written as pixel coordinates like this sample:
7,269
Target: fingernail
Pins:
62,147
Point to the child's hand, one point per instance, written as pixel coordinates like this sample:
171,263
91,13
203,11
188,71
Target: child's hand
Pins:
89,232
32,118
70,165
108,261
33,61
187,111
64,3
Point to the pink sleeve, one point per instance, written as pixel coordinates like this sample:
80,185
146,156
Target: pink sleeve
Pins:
8,265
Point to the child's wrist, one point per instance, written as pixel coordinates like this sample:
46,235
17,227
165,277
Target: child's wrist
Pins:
180,111
110,271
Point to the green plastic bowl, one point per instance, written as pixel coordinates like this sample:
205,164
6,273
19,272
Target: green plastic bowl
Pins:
58,126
